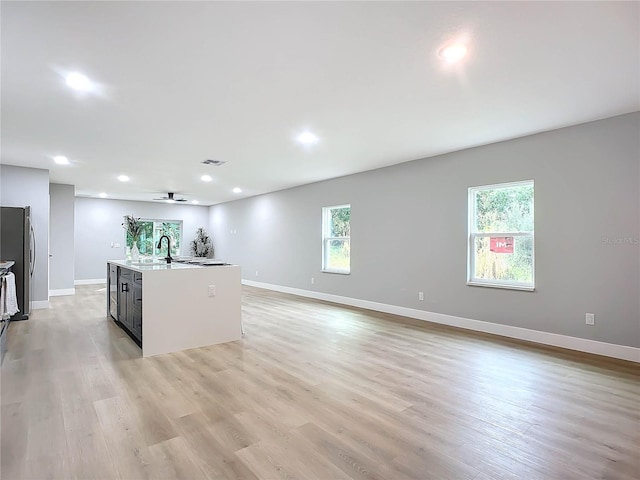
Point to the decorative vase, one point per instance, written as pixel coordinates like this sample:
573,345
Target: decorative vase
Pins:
135,253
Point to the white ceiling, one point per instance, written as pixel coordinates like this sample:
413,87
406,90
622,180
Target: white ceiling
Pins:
235,81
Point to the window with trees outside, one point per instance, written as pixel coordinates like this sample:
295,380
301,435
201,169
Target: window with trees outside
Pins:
152,230
501,236
336,239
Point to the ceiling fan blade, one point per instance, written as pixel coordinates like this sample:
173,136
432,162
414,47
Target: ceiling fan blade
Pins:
171,198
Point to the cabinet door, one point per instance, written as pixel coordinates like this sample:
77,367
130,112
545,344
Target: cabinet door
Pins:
136,311
137,324
125,302
130,301
122,299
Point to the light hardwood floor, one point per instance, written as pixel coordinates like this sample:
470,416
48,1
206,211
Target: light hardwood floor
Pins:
313,391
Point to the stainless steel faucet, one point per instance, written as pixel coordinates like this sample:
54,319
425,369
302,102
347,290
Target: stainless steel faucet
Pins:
168,257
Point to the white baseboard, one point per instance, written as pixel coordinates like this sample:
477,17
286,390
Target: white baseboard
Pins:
622,352
39,304
90,281
61,292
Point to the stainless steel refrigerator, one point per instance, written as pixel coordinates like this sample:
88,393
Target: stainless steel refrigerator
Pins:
17,243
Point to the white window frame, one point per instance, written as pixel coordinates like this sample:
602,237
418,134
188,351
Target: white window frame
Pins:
326,231
473,234
154,221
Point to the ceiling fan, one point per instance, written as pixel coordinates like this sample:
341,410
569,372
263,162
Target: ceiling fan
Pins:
171,198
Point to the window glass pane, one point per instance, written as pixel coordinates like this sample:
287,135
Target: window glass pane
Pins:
151,232
338,255
340,222
512,267
171,230
145,243
145,240
508,209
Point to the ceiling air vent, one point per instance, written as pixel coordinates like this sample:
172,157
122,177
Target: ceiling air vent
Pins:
215,163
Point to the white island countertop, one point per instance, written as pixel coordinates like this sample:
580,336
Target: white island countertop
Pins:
155,265
187,305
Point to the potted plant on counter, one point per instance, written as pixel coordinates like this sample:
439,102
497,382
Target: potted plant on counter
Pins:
133,226
201,246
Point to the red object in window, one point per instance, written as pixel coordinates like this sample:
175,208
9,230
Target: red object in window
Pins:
501,244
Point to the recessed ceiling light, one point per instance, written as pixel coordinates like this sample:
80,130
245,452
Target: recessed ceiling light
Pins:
206,178
237,190
171,201
195,202
79,82
453,53
123,178
60,160
307,138
102,195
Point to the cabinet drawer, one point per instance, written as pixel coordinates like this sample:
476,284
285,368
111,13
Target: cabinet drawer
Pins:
125,273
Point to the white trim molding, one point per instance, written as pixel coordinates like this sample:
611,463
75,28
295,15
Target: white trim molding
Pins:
90,281
39,304
61,292
622,352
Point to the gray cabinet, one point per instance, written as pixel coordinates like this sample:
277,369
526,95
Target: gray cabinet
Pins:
129,309
135,307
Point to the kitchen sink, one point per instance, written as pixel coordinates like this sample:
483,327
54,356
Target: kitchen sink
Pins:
148,263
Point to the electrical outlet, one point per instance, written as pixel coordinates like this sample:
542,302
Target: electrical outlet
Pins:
590,319
313,280
212,290
421,296
256,273
116,245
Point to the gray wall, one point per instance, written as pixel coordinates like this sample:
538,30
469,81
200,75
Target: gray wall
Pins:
21,187
99,223
61,237
409,232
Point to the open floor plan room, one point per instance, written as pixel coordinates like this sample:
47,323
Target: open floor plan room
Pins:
314,390
320,240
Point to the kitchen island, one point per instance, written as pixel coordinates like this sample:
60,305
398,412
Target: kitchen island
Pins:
171,307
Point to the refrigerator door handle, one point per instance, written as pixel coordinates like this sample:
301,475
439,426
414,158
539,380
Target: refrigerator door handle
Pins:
32,251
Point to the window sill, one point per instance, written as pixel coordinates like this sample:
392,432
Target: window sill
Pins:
503,286
337,272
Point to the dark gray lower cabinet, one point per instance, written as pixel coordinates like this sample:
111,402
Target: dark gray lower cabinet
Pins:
130,302
136,307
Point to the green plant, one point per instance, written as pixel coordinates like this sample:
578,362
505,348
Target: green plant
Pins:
133,226
201,246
